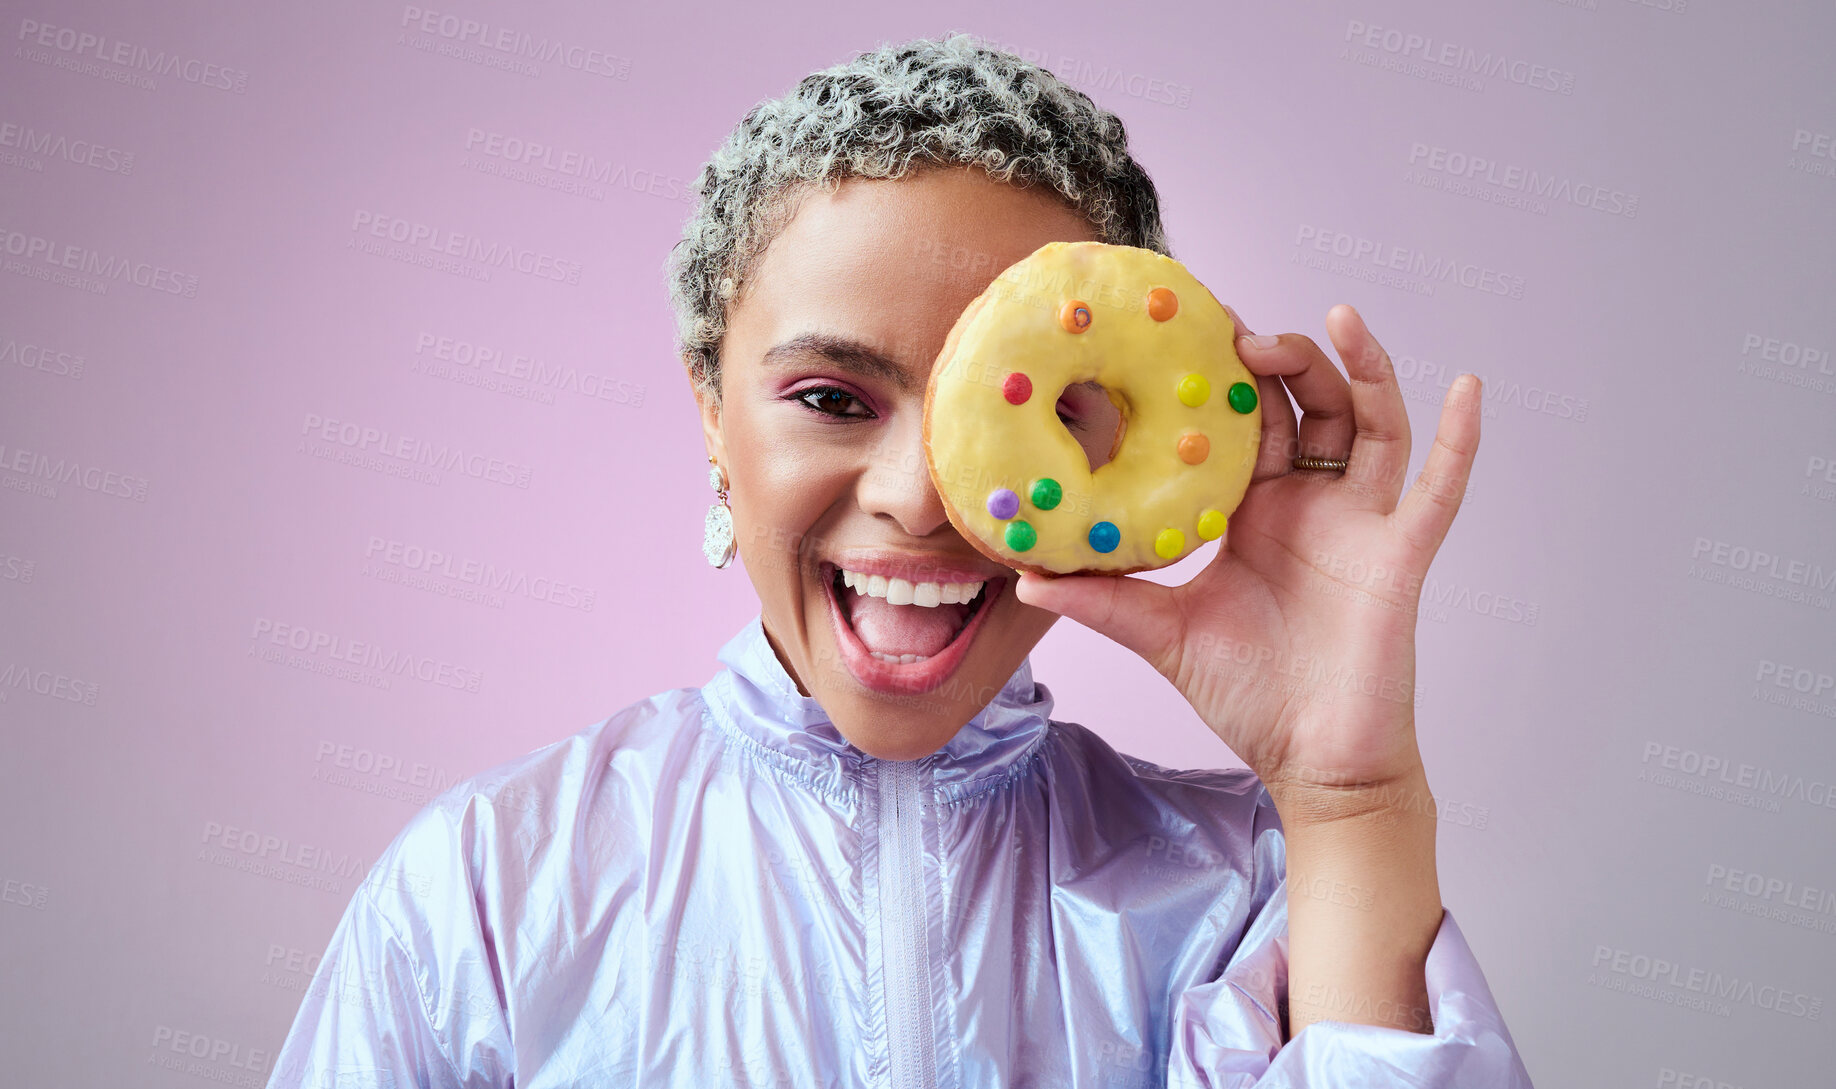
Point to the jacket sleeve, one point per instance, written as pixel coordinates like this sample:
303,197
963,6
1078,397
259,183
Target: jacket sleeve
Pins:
395,1002
1227,1032
363,1023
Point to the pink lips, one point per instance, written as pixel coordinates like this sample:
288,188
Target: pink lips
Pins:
890,677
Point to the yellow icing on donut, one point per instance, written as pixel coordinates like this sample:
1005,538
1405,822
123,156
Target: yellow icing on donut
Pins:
976,441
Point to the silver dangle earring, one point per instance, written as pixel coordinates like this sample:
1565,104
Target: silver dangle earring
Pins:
717,536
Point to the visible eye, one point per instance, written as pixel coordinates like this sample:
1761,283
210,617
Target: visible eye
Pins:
832,401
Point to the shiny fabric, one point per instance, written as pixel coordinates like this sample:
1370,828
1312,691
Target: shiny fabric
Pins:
713,887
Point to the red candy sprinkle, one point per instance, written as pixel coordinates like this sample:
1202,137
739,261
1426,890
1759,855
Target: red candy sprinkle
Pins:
1016,387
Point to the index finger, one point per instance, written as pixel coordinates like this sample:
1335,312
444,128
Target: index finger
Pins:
1279,429
1322,393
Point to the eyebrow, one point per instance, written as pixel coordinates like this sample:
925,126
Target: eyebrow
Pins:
848,354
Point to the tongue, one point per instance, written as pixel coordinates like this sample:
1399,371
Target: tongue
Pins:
904,629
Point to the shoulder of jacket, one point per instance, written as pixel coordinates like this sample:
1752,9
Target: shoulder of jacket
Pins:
537,793
1234,793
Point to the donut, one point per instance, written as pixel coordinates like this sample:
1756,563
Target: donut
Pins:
1012,479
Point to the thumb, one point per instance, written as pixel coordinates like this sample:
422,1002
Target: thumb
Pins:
1134,612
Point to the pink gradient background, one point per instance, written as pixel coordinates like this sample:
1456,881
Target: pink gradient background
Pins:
1572,631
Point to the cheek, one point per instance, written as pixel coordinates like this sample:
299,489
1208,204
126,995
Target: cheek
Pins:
781,492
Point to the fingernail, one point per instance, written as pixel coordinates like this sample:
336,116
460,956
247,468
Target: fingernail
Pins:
1261,340
1465,383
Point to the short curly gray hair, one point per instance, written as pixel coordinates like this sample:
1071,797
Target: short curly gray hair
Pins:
949,101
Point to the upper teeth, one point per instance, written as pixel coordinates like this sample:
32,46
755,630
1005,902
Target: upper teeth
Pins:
898,591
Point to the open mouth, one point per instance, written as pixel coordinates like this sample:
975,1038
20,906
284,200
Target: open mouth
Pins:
897,635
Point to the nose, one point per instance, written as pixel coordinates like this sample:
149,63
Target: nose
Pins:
896,483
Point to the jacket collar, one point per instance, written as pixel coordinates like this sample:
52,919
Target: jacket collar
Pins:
755,697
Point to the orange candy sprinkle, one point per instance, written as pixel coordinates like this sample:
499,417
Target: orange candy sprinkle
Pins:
1162,303
1194,447
1074,315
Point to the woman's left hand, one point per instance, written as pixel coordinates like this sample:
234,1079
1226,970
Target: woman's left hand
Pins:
1296,643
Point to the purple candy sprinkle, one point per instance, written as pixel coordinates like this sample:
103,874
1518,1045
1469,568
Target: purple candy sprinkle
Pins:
1003,503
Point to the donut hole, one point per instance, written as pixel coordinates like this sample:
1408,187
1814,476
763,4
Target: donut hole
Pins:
1092,415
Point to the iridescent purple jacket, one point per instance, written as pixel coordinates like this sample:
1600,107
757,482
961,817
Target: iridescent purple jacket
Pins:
712,887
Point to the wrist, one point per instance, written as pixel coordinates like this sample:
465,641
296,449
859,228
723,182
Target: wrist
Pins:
1364,903
1394,802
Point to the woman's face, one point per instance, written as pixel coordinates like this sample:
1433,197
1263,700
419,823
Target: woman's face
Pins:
820,430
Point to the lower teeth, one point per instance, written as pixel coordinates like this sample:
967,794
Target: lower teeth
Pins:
900,659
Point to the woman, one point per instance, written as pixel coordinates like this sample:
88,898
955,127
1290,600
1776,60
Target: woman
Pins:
864,854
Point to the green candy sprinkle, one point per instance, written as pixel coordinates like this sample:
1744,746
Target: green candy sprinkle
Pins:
1020,536
1046,493
1243,397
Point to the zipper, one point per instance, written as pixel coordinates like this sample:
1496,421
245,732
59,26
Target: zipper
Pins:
904,936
